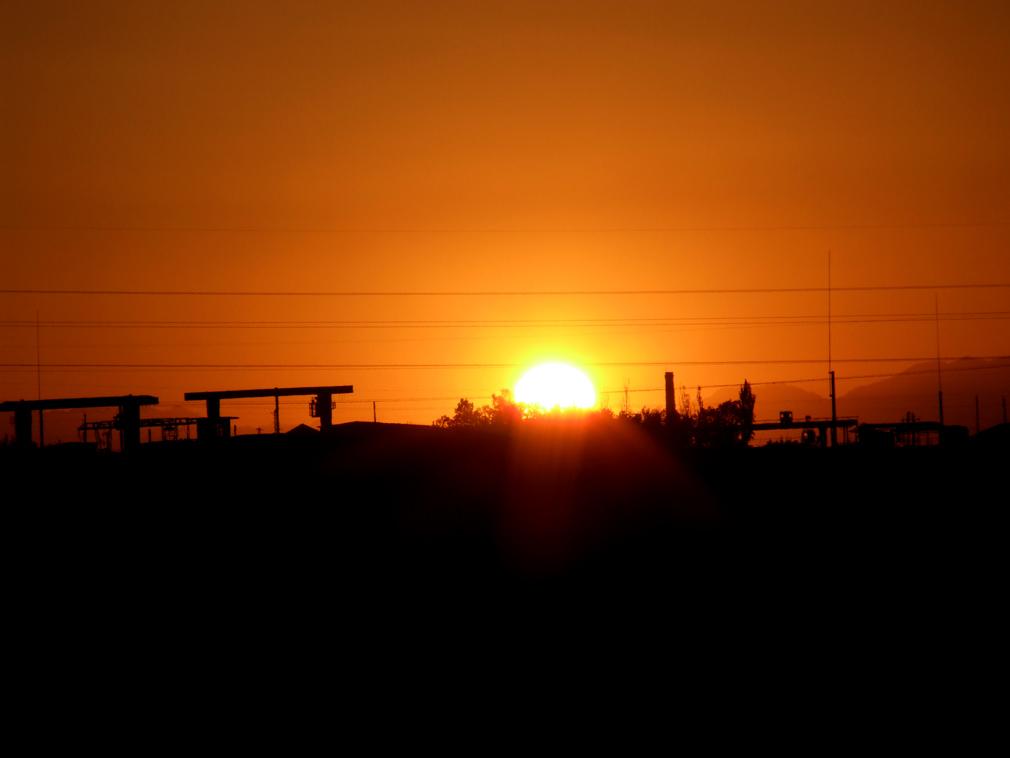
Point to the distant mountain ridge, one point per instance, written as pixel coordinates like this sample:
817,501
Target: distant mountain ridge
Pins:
916,389
887,400
773,398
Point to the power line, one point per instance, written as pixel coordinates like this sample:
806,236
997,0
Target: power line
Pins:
516,230
369,366
820,379
613,327
512,323
501,293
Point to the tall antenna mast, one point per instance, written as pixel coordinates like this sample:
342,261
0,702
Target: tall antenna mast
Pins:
831,373
829,310
38,370
939,378
38,353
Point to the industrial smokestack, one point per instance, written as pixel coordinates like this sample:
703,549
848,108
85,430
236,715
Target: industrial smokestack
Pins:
671,400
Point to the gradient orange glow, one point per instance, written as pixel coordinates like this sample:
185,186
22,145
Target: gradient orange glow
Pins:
674,174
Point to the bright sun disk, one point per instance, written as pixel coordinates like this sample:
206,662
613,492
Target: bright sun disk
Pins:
555,384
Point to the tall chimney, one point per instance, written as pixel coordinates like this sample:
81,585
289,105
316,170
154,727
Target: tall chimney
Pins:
671,401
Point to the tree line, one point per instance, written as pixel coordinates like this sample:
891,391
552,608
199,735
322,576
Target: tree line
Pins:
729,424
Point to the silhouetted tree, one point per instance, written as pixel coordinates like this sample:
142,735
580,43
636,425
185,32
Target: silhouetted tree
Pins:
685,403
465,415
747,401
729,424
716,427
653,418
503,411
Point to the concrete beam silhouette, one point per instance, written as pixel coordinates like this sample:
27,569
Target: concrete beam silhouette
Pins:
129,414
324,398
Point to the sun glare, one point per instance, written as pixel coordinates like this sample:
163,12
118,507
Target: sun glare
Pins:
555,384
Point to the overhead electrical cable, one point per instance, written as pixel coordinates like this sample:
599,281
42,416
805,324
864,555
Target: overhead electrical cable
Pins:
368,366
499,293
512,323
817,379
500,230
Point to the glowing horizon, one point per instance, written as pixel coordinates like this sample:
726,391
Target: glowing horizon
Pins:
555,385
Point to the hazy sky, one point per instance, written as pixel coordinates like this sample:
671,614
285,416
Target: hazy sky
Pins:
474,147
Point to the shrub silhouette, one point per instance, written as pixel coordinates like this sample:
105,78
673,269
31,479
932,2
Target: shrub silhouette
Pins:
729,424
503,411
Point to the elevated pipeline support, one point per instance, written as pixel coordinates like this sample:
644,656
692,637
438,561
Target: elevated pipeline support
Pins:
322,405
129,413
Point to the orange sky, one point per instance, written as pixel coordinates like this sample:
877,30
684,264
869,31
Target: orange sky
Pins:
460,147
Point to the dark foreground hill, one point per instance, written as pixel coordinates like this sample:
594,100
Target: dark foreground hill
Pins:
401,509
381,548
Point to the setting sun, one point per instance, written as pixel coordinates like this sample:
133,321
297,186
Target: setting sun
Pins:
555,384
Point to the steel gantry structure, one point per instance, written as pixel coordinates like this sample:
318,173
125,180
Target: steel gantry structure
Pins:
128,417
216,425
169,428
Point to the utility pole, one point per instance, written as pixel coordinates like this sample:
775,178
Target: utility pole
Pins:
38,368
834,414
671,400
375,417
829,310
976,413
277,413
939,380
831,373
